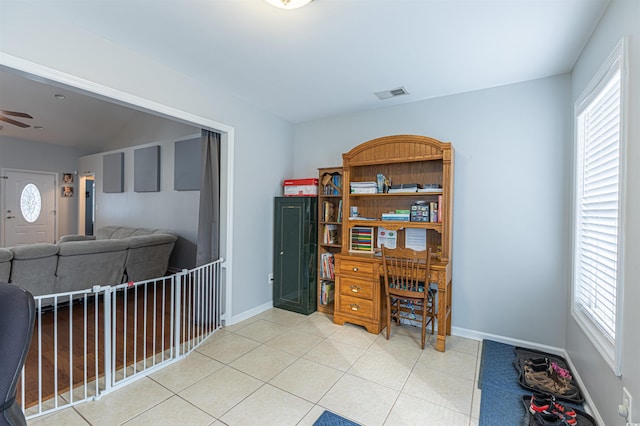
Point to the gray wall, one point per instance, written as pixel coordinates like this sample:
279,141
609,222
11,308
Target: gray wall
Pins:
622,18
33,156
510,197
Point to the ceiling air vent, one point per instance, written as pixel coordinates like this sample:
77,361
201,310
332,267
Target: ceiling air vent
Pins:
391,93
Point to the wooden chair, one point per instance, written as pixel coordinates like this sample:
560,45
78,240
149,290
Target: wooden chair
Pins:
406,279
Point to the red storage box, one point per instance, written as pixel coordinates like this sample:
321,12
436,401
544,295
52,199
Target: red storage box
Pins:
296,187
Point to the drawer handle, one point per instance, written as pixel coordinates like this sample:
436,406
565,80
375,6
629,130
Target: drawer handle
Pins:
355,269
354,306
355,288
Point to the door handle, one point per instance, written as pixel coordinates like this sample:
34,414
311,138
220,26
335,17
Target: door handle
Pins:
10,217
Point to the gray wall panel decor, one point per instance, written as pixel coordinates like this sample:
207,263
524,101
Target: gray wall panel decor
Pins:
113,172
186,168
146,170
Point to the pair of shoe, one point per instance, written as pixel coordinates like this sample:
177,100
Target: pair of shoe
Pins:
553,369
549,377
547,412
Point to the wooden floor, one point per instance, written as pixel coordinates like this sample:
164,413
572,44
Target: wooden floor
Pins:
76,357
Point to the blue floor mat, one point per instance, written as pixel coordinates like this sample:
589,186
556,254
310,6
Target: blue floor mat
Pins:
327,418
501,401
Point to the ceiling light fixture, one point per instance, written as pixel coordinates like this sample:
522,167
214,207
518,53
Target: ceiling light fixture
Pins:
288,4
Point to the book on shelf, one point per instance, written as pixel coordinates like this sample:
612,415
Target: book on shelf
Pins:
327,266
330,234
433,211
440,209
327,292
328,211
403,187
339,218
331,183
337,184
430,187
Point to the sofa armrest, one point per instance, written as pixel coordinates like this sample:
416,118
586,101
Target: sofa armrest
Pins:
67,238
5,254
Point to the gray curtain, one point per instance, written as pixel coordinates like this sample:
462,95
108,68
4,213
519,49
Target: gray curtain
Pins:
209,215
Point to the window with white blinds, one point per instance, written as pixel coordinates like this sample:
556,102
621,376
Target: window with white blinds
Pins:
597,243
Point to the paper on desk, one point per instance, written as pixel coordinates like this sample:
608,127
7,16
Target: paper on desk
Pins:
415,238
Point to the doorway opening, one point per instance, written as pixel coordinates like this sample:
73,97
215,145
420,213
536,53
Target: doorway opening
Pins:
85,87
86,204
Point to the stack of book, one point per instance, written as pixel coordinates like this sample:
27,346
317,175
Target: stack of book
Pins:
364,187
401,215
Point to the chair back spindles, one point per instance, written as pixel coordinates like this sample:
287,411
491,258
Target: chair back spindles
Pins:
406,286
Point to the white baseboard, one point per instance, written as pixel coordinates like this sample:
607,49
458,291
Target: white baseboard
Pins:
251,312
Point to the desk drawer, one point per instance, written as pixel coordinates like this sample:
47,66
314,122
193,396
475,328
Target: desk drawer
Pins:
355,306
356,288
353,267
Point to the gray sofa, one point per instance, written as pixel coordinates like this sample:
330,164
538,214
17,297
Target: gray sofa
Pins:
115,255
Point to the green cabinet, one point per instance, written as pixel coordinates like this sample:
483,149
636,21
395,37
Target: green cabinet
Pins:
295,254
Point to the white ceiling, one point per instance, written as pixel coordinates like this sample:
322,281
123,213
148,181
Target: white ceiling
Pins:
329,57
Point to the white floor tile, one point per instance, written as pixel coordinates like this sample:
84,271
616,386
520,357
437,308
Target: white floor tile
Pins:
307,379
218,393
268,406
365,402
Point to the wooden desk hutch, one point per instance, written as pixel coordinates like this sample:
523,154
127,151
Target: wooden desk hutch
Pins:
404,159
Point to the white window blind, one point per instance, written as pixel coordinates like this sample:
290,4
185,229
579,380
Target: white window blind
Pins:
598,211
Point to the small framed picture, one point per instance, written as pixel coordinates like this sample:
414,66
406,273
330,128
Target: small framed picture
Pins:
67,178
67,191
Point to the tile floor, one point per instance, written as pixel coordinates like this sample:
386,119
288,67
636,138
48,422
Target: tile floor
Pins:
282,368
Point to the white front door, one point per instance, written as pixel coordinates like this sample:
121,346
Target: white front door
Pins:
29,207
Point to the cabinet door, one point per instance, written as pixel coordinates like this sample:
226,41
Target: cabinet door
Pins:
294,270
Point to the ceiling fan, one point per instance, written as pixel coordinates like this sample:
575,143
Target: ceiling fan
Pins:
5,113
